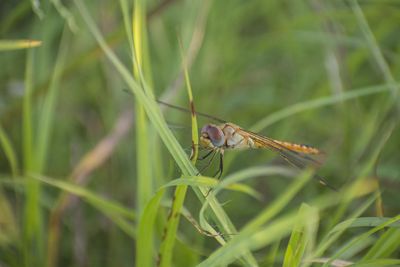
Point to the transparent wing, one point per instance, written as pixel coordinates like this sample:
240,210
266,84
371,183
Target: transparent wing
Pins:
298,159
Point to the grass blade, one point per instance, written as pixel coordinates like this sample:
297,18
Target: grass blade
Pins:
301,237
386,245
145,247
253,236
362,237
316,103
117,213
155,116
213,183
33,245
167,245
46,118
18,44
9,152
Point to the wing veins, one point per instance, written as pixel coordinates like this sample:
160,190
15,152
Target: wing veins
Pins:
292,157
303,158
201,114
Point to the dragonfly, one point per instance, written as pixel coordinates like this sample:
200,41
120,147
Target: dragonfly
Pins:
228,136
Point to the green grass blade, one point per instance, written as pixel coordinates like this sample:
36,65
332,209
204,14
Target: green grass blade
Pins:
66,15
127,22
27,134
362,222
250,240
149,104
213,183
367,167
117,213
277,206
144,166
316,103
378,263
386,245
362,237
251,173
375,50
10,18
143,161
9,152
252,235
300,237
18,44
272,255
46,118
33,244
230,180
155,116
9,231
320,72
167,245
334,234
195,128
37,8
145,246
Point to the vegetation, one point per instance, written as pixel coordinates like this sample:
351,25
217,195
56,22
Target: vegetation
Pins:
95,172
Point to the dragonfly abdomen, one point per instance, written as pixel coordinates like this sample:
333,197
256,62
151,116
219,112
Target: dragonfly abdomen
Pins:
306,149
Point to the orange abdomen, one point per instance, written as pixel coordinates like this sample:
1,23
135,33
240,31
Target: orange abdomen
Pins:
299,148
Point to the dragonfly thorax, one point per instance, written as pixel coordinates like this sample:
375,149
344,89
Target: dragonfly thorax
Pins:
212,136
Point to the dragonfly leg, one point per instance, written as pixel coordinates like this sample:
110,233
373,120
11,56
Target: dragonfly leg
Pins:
206,155
221,163
213,152
218,174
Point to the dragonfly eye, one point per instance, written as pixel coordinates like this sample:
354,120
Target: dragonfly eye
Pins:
213,134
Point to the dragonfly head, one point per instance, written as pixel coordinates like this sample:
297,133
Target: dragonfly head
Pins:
211,136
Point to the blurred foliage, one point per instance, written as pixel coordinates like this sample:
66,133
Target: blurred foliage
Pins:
69,155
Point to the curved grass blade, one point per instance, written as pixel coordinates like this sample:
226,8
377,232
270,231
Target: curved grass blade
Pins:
204,181
155,116
378,262
363,222
362,237
375,50
387,245
316,103
332,236
117,213
252,235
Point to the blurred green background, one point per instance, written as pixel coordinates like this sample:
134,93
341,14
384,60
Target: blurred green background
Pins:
322,73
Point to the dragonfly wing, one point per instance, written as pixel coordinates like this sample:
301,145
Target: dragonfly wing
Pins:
301,160
201,114
295,158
